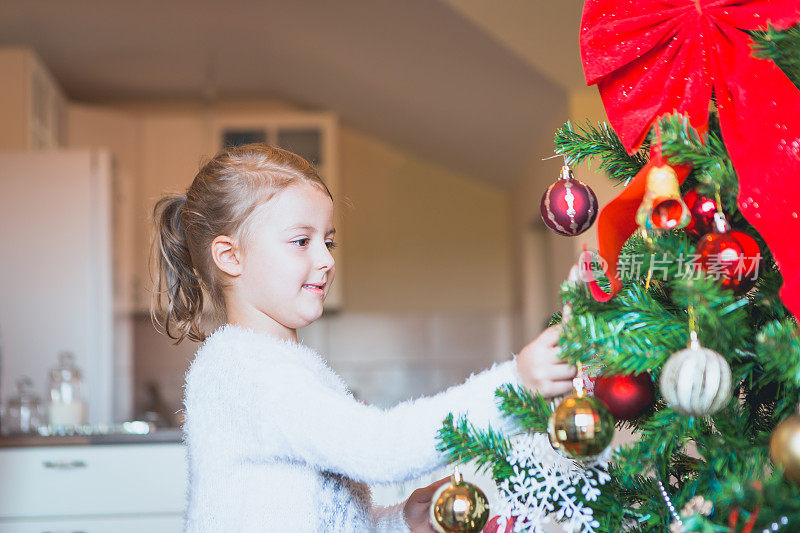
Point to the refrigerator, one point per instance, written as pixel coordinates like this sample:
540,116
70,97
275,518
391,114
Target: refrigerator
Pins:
56,277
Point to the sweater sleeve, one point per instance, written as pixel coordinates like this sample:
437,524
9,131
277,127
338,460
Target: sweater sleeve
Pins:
390,519
295,416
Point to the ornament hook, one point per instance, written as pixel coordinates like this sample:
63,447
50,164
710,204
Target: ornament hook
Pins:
692,318
720,222
694,342
577,382
649,276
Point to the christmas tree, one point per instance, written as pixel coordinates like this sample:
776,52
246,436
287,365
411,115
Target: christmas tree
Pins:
691,330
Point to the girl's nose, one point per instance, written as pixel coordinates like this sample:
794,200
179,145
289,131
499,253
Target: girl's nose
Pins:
326,260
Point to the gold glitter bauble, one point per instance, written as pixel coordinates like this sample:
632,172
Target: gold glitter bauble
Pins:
581,427
784,447
459,507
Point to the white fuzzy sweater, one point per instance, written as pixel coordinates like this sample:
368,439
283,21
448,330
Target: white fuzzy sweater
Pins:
276,442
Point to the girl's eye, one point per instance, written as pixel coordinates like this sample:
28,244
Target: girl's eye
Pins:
304,241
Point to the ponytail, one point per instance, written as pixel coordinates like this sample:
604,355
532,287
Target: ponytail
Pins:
175,275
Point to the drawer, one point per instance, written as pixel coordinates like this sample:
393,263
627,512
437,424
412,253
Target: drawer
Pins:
115,479
137,524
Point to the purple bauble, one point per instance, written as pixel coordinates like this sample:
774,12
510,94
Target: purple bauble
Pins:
569,206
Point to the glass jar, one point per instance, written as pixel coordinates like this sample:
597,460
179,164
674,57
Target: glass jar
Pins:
23,414
65,407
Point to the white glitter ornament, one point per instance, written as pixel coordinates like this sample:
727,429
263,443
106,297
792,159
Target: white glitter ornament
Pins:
696,381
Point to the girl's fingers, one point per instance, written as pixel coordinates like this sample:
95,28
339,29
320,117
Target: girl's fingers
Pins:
554,353
547,357
425,494
550,335
563,371
556,388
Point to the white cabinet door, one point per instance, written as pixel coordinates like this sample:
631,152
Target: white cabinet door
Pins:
122,524
55,273
74,481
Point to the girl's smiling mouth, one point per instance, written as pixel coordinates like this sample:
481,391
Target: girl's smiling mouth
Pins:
317,289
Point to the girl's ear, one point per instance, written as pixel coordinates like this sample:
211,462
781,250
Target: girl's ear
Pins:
226,255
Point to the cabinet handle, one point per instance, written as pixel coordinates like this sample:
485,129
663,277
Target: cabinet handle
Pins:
64,465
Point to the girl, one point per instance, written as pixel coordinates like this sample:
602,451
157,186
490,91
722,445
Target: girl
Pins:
275,440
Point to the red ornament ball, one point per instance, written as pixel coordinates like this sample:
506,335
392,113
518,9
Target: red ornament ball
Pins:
702,209
626,396
568,206
733,257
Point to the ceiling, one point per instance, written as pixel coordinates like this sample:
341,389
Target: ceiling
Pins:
542,32
470,84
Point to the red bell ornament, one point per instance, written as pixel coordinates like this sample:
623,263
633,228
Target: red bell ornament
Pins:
568,206
626,396
702,208
731,256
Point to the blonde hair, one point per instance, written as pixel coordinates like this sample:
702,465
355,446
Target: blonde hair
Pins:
222,197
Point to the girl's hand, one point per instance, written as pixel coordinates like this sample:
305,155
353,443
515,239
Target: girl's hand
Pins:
540,368
417,508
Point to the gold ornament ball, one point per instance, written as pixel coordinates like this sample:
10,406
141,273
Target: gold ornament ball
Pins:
784,447
459,507
581,427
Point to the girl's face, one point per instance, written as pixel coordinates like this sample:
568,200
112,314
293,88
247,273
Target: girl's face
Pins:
287,263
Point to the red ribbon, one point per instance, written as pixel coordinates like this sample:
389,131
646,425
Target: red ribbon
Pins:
733,520
654,57
494,526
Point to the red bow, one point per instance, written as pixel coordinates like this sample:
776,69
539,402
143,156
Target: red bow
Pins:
654,57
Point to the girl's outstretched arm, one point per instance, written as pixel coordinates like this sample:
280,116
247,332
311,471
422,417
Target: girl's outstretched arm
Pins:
295,415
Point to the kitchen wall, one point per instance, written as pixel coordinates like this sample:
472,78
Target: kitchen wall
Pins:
541,259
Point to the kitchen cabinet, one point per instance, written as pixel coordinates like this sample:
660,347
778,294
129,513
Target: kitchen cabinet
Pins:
160,148
132,524
173,144
33,104
93,488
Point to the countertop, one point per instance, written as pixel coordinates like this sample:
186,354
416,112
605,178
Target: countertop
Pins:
171,435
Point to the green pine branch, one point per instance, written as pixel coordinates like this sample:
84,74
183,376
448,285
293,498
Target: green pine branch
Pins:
588,141
712,169
530,411
765,302
782,47
778,351
776,388
778,500
462,442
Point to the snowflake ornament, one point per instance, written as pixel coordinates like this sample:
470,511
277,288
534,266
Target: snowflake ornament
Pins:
544,486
